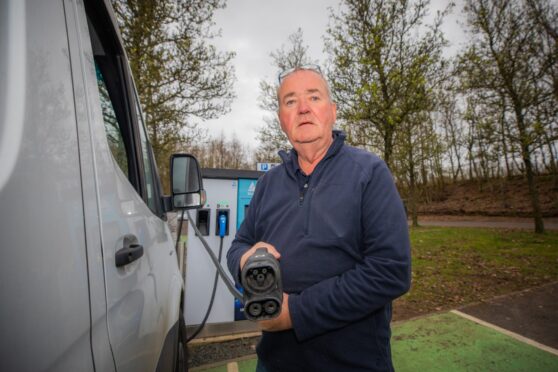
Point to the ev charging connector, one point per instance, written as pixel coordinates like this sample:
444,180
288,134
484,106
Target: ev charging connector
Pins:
222,225
222,222
261,280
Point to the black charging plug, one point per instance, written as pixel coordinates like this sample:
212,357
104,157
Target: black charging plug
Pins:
261,280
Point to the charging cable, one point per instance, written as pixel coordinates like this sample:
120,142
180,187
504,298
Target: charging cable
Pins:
214,290
217,262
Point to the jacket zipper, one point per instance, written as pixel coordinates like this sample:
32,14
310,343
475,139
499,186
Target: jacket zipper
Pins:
302,194
306,208
307,211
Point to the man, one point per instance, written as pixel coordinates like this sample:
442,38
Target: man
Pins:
332,216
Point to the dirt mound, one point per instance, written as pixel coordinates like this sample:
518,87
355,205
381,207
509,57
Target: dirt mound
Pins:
495,197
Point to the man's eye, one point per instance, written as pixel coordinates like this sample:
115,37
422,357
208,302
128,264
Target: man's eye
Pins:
290,102
314,98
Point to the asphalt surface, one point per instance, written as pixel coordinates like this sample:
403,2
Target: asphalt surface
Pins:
532,313
448,342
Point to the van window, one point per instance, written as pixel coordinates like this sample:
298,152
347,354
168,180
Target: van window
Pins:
112,129
147,168
123,122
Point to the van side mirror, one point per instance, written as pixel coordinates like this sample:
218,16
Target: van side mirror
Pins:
186,182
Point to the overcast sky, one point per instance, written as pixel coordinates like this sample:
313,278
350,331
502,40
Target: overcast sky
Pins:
255,28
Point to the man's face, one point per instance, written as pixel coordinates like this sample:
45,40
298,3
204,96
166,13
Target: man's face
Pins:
306,112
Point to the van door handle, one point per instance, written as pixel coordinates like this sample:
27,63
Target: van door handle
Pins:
131,251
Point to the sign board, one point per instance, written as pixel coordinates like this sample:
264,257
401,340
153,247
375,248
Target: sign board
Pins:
264,167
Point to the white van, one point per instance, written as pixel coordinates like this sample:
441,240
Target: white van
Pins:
88,269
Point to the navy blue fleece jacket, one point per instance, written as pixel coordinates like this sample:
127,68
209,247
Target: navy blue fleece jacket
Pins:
345,255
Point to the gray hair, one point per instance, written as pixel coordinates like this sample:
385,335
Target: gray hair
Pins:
314,68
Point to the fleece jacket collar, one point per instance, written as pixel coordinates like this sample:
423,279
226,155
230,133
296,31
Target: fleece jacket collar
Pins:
290,159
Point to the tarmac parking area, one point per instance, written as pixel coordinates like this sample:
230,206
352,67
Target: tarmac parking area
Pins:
517,332
532,313
451,342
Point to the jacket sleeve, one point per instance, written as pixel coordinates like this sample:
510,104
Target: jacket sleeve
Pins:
383,274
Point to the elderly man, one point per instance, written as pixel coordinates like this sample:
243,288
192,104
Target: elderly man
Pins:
332,216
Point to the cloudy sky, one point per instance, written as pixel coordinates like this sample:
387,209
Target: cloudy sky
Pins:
255,28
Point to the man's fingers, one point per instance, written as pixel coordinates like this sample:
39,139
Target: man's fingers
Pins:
271,249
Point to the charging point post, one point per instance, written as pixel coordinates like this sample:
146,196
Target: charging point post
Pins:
228,193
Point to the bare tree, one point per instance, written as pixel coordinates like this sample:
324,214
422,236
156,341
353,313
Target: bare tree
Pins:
449,119
181,78
380,54
222,152
502,61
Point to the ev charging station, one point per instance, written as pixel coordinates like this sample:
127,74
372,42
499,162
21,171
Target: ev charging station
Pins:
229,192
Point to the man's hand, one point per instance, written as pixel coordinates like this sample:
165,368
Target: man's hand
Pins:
282,322
271,249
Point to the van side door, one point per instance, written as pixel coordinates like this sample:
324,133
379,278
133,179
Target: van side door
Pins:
45,306
142,280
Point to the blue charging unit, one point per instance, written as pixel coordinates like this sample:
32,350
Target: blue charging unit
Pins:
246,188
229,192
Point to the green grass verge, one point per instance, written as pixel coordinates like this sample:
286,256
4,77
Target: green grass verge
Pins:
456,266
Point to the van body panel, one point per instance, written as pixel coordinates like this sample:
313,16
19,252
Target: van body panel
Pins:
81,57
67,207
167,358
12,90
45,316
143,297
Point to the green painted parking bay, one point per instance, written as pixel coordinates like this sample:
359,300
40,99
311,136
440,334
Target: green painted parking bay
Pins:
449,342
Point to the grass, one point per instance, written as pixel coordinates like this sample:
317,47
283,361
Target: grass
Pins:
456,266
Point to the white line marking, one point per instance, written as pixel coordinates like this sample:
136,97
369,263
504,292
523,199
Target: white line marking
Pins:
232,367
508,333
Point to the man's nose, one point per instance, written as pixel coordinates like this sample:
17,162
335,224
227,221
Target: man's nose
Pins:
303,107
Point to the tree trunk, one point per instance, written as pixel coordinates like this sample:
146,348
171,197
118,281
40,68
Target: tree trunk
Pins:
526,155
452,165
553,164
553,167
423,171
470,144
505,150
545,165
517,165
388,145
455,146
537,215
412,182
413,201
503,137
